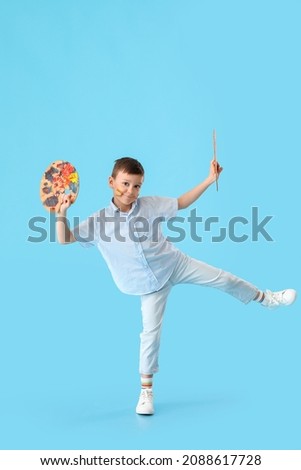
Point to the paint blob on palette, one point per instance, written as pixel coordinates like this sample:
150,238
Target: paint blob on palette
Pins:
59,178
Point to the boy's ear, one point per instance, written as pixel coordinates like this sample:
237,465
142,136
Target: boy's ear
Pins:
111,181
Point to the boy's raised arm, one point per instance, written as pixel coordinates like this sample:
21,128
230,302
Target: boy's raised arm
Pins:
191,196
64,234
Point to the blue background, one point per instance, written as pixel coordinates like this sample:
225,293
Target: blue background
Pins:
89,82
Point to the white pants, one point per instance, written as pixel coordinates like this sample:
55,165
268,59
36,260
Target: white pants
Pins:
187,270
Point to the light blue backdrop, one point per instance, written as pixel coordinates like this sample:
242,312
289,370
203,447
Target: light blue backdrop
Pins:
90,81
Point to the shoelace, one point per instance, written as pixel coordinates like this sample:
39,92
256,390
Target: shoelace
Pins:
275,298
146,396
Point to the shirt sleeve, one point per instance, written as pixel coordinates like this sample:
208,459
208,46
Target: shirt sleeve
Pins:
84,233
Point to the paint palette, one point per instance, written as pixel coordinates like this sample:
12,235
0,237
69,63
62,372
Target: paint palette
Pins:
59,178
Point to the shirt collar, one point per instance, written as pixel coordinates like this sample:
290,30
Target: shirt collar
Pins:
115,209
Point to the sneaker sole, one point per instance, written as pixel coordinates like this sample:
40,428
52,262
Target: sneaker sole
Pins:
144,413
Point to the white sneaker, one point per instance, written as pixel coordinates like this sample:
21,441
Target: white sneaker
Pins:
275,299
145,404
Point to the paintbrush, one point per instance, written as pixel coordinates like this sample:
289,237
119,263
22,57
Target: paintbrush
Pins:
214,158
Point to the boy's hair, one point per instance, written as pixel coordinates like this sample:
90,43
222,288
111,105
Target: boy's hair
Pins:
127,165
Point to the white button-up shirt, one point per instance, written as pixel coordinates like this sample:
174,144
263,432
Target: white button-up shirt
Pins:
139,256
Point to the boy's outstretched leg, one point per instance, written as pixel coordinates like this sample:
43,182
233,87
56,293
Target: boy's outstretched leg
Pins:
197,272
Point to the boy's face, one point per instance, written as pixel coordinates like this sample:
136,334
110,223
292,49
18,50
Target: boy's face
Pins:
126,188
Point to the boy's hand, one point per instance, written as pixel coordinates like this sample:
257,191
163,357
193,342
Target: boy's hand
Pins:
64,234
215,170
65,201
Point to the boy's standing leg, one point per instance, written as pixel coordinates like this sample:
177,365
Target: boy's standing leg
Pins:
152,308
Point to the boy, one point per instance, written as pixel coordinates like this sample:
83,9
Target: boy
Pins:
143,262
